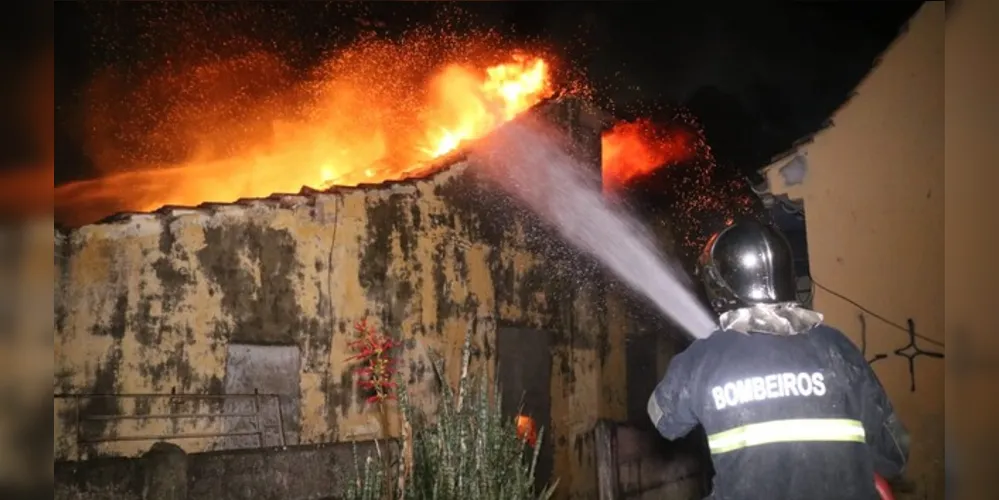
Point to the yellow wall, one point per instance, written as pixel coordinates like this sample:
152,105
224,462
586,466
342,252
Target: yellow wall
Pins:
148,303
873,197
972,77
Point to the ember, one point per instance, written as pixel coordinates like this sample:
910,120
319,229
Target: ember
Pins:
676,167
250,125
377,111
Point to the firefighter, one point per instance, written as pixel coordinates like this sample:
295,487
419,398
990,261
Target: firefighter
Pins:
791,408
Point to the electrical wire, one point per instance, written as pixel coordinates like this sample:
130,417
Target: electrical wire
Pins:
795,209
874,314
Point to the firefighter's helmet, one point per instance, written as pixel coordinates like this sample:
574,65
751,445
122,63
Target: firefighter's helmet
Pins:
747,263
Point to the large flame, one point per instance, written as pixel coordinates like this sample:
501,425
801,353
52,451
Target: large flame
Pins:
252,125
472,107
632,150
221,131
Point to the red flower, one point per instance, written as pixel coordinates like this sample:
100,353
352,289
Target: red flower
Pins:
371,350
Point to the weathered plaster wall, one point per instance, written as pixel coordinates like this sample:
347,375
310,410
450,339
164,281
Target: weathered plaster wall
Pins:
873,197
148,303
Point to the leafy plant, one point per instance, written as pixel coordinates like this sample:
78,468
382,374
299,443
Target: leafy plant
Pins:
372,350
468,450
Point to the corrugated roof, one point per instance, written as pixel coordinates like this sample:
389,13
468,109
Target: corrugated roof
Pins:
306,195
591,117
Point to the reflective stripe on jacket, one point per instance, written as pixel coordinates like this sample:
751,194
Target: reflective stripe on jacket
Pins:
785,431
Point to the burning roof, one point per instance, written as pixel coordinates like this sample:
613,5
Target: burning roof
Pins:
356,126
560,108
247,127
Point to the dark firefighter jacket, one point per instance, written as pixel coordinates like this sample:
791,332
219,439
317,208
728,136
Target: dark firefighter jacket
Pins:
787,417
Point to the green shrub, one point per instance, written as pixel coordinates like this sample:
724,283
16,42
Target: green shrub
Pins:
470,451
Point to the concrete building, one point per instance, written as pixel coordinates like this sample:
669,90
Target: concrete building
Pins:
870,191
158,312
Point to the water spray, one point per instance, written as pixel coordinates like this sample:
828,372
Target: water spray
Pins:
528,160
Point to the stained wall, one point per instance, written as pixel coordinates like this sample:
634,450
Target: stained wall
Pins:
150,303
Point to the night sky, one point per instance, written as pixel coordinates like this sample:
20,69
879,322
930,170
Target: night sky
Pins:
758,75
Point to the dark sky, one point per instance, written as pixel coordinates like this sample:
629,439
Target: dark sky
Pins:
759,75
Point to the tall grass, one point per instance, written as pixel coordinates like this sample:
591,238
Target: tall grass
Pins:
469,450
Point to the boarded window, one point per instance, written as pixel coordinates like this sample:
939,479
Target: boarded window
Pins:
268,369
524,371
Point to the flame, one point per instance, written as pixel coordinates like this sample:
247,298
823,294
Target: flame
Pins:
245,128
699,196
476,107
527,430
251,125
632,150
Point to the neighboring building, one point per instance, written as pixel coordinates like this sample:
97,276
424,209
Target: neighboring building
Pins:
971,153
261,294
870,189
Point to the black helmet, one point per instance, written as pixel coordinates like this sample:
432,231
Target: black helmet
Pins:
745,264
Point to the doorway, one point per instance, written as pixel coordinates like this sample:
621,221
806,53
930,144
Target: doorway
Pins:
524,367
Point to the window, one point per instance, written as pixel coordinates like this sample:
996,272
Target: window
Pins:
268,369
789,216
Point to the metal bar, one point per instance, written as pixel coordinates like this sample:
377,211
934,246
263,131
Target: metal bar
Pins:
260,428
156,437
169,396
277,400
167,415
173,397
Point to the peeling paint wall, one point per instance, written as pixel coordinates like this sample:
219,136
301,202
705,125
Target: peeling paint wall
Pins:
148,303
873,199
